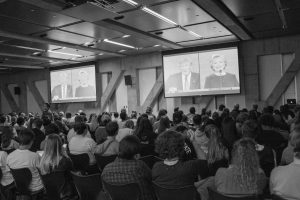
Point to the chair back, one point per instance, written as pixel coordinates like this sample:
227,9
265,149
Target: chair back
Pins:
53,183
80,161
129,191
22,179
150,160
276,197
88,187
102,161
187,193
214,195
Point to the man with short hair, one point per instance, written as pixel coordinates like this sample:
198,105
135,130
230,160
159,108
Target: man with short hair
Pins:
23,158
128,169
285,180
191,115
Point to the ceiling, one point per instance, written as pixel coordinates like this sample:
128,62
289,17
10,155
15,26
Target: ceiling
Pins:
50,33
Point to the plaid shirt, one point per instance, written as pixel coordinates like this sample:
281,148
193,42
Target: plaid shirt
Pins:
123,171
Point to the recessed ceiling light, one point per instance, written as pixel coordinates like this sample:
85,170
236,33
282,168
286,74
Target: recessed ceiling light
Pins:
63,53
100,54
131,2
155,14
126,36
122,50
157,45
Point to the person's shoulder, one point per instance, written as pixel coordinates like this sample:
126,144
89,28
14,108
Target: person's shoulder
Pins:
211,76
174,76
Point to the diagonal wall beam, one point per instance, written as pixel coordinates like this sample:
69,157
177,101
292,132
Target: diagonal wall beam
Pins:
221,13
111,87
36,94
10,99
54,42
285,80
154,93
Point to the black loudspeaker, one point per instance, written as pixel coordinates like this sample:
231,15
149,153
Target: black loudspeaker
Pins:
128,80
17,90
291,101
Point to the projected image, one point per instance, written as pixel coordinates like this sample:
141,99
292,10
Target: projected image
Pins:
73,85
202,73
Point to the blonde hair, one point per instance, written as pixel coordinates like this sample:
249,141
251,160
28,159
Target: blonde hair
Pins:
245,159
52,154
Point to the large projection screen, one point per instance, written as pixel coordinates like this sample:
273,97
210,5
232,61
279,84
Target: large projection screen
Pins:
73,85
209,72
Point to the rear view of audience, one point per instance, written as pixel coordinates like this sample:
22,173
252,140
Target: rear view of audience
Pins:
7,140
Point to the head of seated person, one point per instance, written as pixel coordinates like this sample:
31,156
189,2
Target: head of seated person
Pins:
37,123
20,121
129,148
112,129
129,124
145,131
26,137
81,129
6,138
170,145
266,121
177,117
52,129
241,118
103,119
250,129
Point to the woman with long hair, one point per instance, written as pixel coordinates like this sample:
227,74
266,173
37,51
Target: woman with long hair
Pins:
244,175
147,136
217,155
54,159
164,124
8,143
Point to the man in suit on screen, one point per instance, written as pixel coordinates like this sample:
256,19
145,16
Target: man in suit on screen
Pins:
84,89
63,90
183,81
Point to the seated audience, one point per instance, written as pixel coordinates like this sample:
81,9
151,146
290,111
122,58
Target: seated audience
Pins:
285,180
228,128
23,158
110,146
81,143
54,159
8,143
269,137
173,172
147,136
217,154
189,150
127,130
161,113
39,136
20,125
243,177
128,169
100,133
267,160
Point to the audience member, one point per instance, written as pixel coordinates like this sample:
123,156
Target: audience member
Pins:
128,169
8,143
54,159
110,146
243,176
23,158
147,136
39,136
123,117
78,119
191,115
172,172
6,179
285,180
164,124
151,117
100,134
127,130
81,143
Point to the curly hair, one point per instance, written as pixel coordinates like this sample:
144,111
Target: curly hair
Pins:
216,149
245,159
169,144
